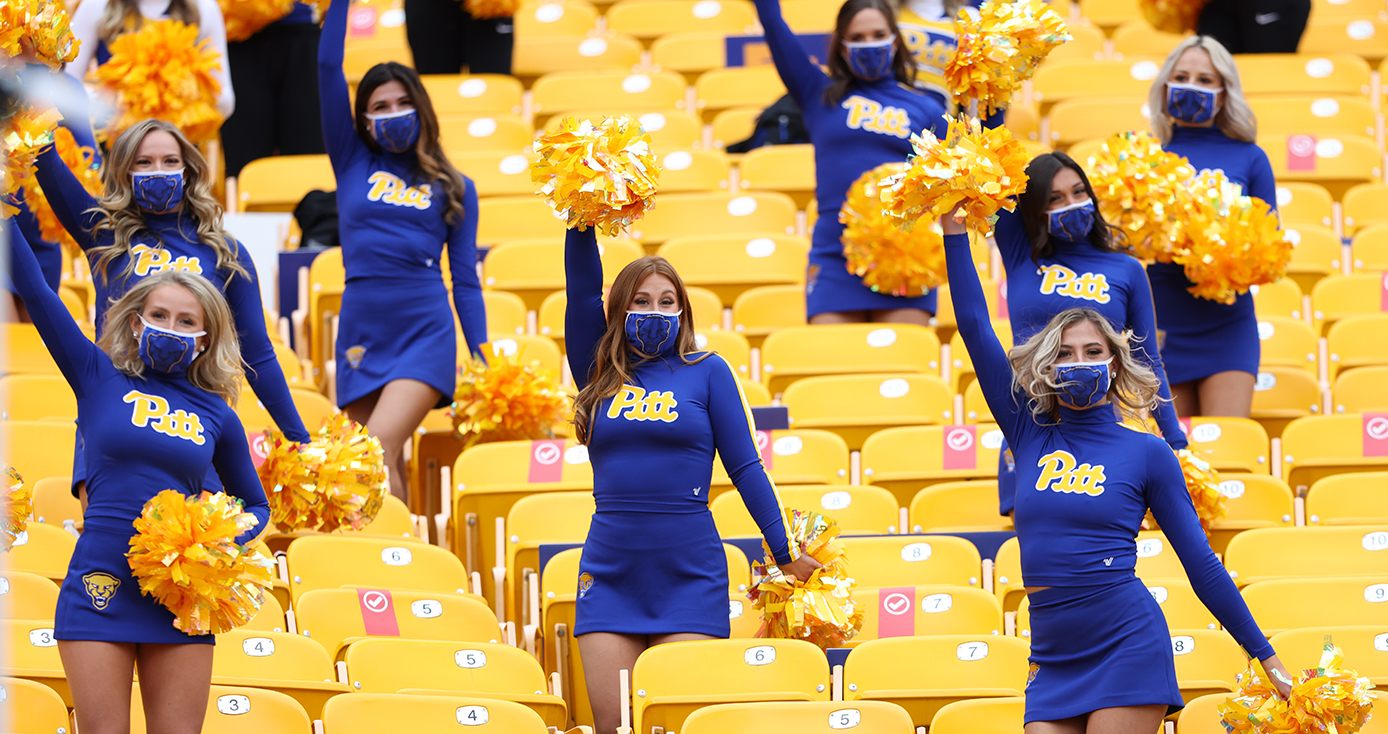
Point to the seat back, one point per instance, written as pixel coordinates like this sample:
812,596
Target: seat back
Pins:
1357,341
1316,252
54,503
474,94
1080,78
42,549
1339,296
907,459
1318,446
690,52
739,86
539,55
1283,393
27,595
1179,604
805,351
279,183
759,311
693,170
961,364
1336,74
1201,715
1364,205
1280,298
230,709
858,510
729,265
887,561
333,561
731,345
1206,661
552,517
24,352
1287,342
1299,201
502,218
381,665
369,713
33,397
1339,161
1082,118
786,168
563,91
1349,499
1362,645
38,449
958,507
905,611
801,456
1255,500
1155,557
32,707
1272,553
980,716
501,134
962,666
759,212
648,19
1309,114
334,618
1346,35
280,656
269,618
822,717
857,405
1283,604
536,465
1229,444
1007,574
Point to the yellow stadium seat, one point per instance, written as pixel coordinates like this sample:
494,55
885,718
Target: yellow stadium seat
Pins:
332,561
646,19
568,18
393,522
884,561
976,408
360,57
474,94
1364,205
484,134
1370,249
1357,341
785,168
1348,9
1179,604
336,618
1062,80
763,212
760,311
958,507
27,595
1339,74
908,611
503,218
545,54
1314,115
671,681
24,352
496,173
33,707
1317,252
1300,649
1281,298
1201,715
32,654
1109,14
944,315
1207,661
736,124
690,52
858,510
1138,38
669,129
1024,121
1086,42
731,345
1082,118
1007,575
798,457
534,270
707,308
327,279
1281,553
291,664
1283,604
435,667
234,709
313,409
552,517
505,313
729,265
962,667
693,170
564,91
42,549
1337,162
1155,557
856,406
37,398
791,354
962,365
1298,201
1287,342
550,319
741,86
1363,390
756,394
799,716
810,16
1229,444
1319,446
1254,501
1084,150
1361,36
1338,296
905,460
1001,715
369,713
278,183
1283,394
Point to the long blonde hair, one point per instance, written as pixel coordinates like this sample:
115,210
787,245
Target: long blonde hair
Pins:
118,212
1235,118
218,369
613,364
123,16
1134,387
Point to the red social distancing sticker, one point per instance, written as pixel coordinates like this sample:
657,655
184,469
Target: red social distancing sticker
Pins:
546,460
896,609
1301,153
377,612
1376,434
764,448
960,449
260,448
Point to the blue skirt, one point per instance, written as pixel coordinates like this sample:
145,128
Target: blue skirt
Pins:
652,573
101,600
830,288
395,329
1098,647
210,483
1202,337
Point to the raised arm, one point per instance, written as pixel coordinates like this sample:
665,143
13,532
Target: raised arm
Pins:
212,28
1013,243
803,78
339,132
232,459
462,268
69,97
72,204
263,369
1142,320
584,318
49,254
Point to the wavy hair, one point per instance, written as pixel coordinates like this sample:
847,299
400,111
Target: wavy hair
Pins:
432,163
1235,118
1032,204
614,364
903,67
117,211
1134,387
218,370
124,16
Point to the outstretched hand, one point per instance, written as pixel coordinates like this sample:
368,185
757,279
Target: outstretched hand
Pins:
950,225
801,568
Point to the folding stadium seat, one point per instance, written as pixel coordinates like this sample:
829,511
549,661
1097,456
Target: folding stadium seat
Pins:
1320,446
1287,342
1024,121
552,517
1207,661
884,561
795,353
327,279
545,54
690,52
1349,499
1254,501
798,457
961,371
1338,296
1339,74
475,94
1109,14
1315,115
908,611
232,709
858,510
1317,252
358,58
707,308
280,661
856,406
495,133
905,460
1283,604
1361,36
269,618
37,398
339,618
1062,80
1336,162
756,394
332,562
1364,205
671,681
785,168
1281,553
1370,248
944,315
1229,444
962,667
999,715
505,313
32,654
1362,390
534,270
647,19
685,171
1083,118
976,408
730,265
810,16
799,716
1283,394
1357,341
1179,604
1137,38
312,406
1363,645
670,129
1298,201
735,124
958,507
564,91
731,345
475,669
1156,559
370,713
569,18
1007,575
1282,298
24,352
44,550
1086,43
28,595
550,319
763,212
29,706
741,86
1201,715
760,311
1347,9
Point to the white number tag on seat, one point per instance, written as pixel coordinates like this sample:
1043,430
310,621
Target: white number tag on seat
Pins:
396,556
1148,547
1158,593
936,603
258,647
835,500
1376,593
845,718
470,658
734,609
912,552
1381,642
1182,644
42,637
233,705
971,651
4,694
426,608
472,715
1375,541
4,586
760,655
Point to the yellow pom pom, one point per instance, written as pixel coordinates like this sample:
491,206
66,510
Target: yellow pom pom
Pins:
505,399
1139,187
491,8
1232,242
1172,16
820,609
37,27
185,555
889,254
163,71
245,17
81,161
22,135
1325,698
19,504
979,167
600,175
337,481
998,49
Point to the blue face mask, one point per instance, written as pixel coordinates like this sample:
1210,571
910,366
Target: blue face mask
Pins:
653,333
1082,384
871,61
167,351
397,132
1071,222
157,192
1191,104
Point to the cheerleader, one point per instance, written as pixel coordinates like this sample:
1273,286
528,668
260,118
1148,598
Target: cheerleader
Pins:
400,201
1198,111
859,115
1059,254
158,214
652,411
153,398
1100,649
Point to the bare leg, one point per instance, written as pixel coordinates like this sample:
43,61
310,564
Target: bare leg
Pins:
1228,394
360,411
1126,720
679,637
900,316
1064,726
82,496
840,317
100,674
604,654
399,410
175,682
1185,398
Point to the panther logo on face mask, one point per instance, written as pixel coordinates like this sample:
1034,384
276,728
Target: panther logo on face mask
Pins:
101,587
166,351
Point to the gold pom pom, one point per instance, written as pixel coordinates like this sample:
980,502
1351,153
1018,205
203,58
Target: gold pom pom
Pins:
185,555
981,168
337,481
1325,698
1139,187
1232,242
491,8
1000,48
81,160
600,175
505,399
37,27
819,609
1202,481
163,71
890,255
23,133
245,17
19,504
1172,16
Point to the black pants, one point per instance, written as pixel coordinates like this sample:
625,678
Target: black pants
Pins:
445,38
275,75
1253,26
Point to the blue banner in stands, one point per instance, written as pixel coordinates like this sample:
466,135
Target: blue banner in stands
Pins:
771,418
753,51
290,262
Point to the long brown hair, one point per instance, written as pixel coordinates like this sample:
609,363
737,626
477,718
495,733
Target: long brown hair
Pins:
433,165
903,67
615,360
124,16
1032,206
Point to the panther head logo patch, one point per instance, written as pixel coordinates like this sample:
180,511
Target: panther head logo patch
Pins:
101,587
355,355
1031,674
585,583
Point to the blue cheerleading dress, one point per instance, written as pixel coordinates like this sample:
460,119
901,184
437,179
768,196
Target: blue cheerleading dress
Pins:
1078,275
653,563
1085,482
872,125
395,322
144,435
1203,337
